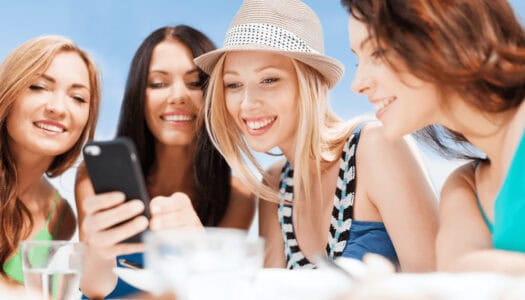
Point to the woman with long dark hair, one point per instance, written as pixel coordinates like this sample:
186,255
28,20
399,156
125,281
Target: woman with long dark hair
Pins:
162,113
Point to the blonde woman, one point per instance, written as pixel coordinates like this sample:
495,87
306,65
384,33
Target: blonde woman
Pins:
49,98
344,189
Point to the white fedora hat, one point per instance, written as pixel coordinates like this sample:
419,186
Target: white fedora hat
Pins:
288,27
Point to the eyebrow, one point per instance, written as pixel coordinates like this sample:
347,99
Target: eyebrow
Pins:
260,69
363,43
74,85
194,70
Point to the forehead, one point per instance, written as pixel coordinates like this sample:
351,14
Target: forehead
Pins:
69,67
256,60
358,33
170,54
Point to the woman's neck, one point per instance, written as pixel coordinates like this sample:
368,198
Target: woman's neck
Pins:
488,132
30,171
172,170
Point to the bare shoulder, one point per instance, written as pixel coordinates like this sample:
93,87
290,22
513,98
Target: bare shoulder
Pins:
273,174
459,185
375,147
83,189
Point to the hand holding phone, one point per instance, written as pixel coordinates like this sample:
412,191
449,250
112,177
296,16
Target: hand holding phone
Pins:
113,166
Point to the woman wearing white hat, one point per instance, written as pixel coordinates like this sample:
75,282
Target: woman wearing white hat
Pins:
268,88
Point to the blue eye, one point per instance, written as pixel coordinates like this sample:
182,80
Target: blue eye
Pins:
232,85
269,80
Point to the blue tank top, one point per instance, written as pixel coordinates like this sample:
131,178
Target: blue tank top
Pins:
346,237
509,208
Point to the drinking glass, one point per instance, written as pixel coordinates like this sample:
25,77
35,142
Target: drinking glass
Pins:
53,268
215,263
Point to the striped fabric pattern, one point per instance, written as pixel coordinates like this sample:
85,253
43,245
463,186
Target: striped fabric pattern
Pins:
342,213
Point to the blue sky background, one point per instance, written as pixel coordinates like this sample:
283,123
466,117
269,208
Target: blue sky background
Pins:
111,31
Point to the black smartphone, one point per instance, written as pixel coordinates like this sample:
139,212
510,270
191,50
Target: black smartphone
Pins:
114,166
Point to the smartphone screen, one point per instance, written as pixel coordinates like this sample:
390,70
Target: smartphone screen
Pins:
114,166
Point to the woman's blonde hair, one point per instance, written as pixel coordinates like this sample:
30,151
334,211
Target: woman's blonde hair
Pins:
17,72
320,133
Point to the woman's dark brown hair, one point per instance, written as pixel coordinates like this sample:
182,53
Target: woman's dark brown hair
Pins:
211,172
475,48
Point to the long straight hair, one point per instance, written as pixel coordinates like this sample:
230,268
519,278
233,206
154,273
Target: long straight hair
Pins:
320,134
475,48
17,73
211,172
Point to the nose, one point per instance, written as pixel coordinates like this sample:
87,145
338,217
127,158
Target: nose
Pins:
362,83
56,104
249,98
178,92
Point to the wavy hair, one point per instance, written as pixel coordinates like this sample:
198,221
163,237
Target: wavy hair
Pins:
17,72
475,48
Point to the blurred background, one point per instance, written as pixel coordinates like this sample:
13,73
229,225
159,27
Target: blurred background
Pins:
111,31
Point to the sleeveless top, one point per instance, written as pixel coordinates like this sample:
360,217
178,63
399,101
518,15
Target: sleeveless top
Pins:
489,224
346,237
509,208
13,267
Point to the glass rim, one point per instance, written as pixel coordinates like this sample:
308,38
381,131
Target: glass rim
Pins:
51,242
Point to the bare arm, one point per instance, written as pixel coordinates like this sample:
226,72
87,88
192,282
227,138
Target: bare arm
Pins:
464,242
269,227
97,213
396,184
241,208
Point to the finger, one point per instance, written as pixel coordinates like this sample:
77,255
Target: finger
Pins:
113,236
175,220
102,201
176,202
111,217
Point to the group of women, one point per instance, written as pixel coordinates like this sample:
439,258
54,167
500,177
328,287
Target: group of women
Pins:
451,71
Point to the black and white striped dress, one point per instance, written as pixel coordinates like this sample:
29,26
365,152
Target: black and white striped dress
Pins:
342,213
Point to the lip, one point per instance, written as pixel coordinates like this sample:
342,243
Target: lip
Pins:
181,119
263,124
382,104
44,123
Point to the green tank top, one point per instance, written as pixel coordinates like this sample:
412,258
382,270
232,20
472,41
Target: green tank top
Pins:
509,209
13,267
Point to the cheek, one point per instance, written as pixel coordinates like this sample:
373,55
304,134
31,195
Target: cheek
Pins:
232,104
197,99
82,116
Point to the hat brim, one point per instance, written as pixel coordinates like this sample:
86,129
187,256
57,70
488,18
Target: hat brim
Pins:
331,69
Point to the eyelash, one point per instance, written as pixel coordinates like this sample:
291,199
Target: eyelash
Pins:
268,81
36,87
378,53
79,99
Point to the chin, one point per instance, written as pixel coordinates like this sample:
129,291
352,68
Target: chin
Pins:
260,148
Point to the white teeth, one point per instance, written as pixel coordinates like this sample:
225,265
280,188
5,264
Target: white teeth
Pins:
49,127
382,104
178,118
259,124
